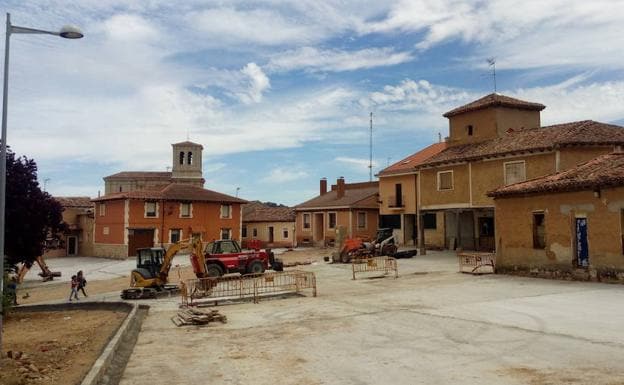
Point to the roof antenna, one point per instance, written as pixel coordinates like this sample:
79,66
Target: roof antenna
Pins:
370,162
439,137
492,63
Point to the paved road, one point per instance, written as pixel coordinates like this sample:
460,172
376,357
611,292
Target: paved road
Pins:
430,326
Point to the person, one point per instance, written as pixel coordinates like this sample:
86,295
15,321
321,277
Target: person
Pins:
74,288
82,282
12,290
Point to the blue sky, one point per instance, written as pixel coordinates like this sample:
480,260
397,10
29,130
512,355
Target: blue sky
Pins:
279,92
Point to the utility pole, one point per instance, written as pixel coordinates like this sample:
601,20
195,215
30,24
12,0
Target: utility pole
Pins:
492,62
370,162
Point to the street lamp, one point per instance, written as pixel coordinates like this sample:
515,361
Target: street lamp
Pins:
67,32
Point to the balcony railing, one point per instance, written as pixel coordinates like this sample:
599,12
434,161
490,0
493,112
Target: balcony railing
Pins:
396,201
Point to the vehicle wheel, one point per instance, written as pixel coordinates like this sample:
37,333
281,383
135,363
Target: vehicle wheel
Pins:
255,267
214,270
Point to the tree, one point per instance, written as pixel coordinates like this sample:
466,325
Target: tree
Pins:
33,217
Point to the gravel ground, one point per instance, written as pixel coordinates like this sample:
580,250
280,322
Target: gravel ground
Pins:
432,325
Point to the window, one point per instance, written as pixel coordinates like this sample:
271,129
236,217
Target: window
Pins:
120,189
306,221
151,209
254,232
539,231
181,157
244,231
226,211
361,220
105,230
185,210
285,233
430,221
175,235
102,209
515,172
226,233
445,180
189,158
469,129
331,220
398,195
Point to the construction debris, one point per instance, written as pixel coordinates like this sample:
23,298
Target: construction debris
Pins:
191,316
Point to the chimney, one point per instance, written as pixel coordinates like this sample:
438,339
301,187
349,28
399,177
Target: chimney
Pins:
323,186
340,187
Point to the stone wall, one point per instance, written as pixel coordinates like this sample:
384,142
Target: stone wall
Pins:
110,251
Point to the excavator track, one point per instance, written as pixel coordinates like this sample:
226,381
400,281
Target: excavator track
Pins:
150,292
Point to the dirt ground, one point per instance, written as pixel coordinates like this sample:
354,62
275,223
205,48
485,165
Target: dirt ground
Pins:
56,347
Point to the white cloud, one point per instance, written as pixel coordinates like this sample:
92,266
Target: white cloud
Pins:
358,165
525,34
333,60
282,174
257,82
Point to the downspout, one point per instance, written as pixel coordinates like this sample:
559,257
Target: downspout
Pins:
162,223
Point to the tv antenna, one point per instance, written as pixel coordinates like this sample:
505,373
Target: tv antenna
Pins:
492,63
370,154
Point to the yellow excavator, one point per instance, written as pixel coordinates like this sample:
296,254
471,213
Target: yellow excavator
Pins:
151,275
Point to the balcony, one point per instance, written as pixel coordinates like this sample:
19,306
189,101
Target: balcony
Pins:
395,202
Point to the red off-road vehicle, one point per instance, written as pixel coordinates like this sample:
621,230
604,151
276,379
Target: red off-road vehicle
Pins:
226,256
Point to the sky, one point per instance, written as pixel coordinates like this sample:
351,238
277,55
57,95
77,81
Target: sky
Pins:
279,92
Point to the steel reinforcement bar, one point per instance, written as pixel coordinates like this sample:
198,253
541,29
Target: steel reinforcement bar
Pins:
367,265
197,291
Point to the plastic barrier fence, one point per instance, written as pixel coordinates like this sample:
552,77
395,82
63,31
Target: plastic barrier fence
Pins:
381,264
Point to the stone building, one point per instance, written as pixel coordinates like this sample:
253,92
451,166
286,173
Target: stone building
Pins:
187,169
353,206
568,223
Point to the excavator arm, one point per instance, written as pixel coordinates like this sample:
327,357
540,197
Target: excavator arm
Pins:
168,257
198,259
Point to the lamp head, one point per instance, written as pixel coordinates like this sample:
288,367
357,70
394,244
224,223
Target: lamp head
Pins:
71,32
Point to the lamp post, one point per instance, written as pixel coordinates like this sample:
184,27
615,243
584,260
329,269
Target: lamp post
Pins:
67,32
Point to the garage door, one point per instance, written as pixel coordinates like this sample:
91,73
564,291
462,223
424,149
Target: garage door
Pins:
139,238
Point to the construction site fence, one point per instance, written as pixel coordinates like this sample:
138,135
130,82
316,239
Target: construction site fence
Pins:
477,263
205,290
375,264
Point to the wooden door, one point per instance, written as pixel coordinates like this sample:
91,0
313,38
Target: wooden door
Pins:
138,239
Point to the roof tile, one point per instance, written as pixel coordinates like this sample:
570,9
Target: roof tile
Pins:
259,212
408,164
495,100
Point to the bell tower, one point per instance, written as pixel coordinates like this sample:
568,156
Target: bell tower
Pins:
187,163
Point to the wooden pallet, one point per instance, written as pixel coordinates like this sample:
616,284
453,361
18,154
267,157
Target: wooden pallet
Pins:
192,316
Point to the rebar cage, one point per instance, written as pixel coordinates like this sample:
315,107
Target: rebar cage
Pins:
367,265
477,263
205,290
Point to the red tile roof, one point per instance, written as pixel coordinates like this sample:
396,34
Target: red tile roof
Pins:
495,100
174,192
408,164
602,172
259,212
75,202
357,195
164,175
586,132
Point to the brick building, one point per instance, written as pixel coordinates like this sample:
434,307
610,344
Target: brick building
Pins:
78,215
272,226
350,205
145,209
567,223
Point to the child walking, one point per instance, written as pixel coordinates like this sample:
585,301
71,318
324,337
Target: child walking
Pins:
82,282
74,288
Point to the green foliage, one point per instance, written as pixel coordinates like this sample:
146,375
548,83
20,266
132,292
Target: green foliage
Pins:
33,217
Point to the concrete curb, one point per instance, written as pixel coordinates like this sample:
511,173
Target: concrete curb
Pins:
108,368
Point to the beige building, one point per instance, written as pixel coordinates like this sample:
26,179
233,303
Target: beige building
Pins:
271,226
78,215
353,206
494,141
566,224
187,169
